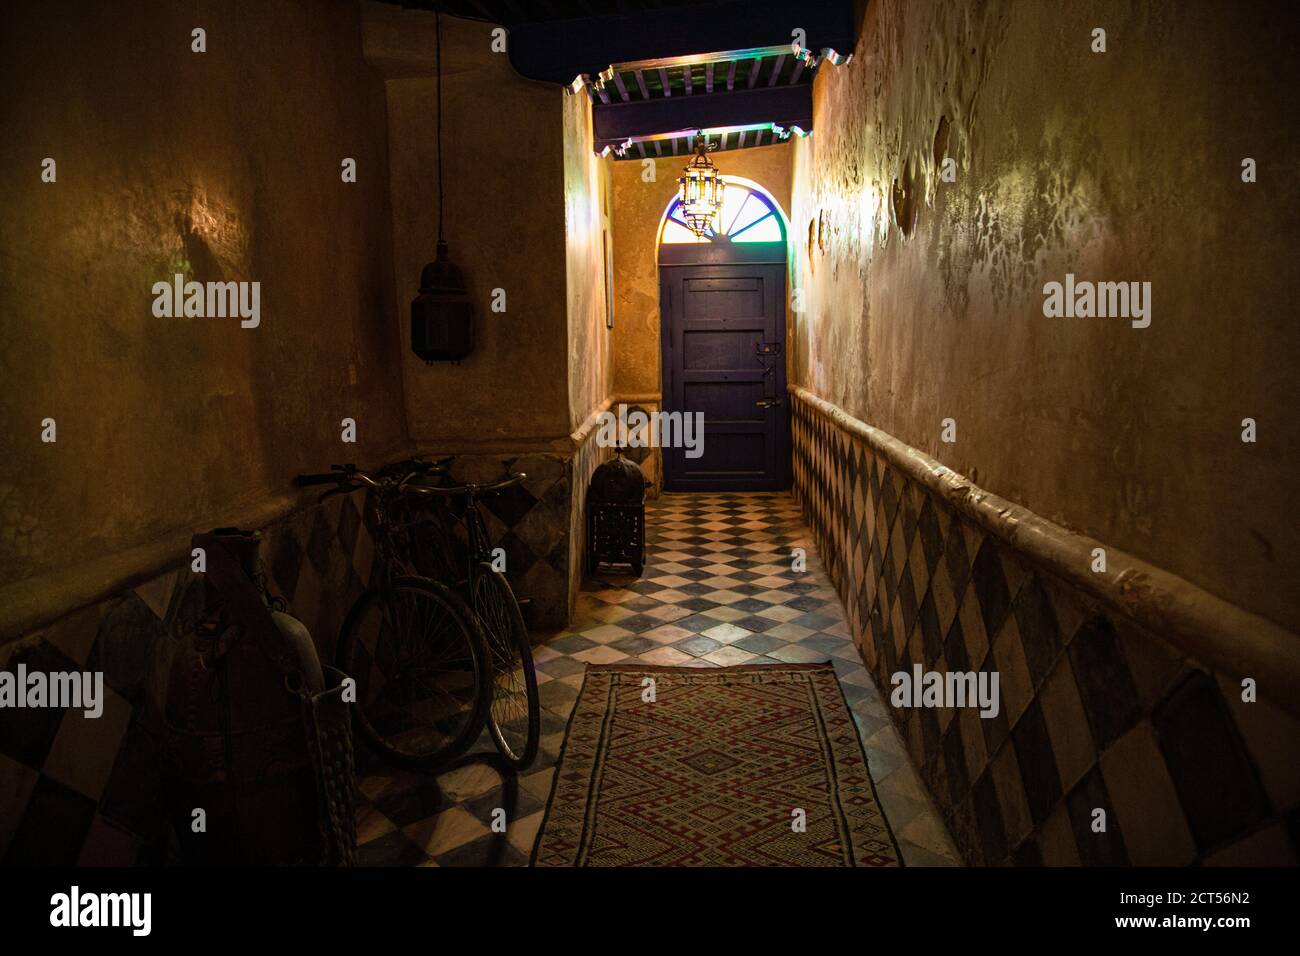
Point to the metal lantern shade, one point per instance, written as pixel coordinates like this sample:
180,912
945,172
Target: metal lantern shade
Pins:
442,318
616,515
700,190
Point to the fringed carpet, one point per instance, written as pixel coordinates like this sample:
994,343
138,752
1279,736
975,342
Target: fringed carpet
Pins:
753,765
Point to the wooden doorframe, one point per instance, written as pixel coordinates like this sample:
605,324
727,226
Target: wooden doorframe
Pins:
721,254
673,255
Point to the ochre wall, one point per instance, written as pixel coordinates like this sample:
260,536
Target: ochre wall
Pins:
225,166
527,207
1116,166
586,238
503,150
587,243
638,209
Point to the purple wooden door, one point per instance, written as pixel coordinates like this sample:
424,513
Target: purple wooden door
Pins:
723,347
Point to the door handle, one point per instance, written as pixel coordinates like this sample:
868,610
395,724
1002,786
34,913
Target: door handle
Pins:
768,402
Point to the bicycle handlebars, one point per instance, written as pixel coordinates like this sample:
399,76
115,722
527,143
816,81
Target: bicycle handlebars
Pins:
468,488
341,475
344,475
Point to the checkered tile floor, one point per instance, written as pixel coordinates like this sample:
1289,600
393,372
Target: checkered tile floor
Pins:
718,589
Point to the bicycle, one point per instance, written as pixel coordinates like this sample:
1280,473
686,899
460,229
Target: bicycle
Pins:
415,649
514,712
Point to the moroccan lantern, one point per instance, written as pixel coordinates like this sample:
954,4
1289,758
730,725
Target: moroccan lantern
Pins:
616,515
700,189
442,318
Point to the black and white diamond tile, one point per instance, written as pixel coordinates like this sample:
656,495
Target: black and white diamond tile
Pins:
1097,711
718,589
96,782
87,791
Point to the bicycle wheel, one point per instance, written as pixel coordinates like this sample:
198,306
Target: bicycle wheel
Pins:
514,716
422,671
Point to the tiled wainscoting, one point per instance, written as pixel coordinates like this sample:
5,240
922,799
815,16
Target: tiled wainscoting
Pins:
534,524
589,456
1097,712
77,790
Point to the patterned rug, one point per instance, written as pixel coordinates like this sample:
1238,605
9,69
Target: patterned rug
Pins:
753,765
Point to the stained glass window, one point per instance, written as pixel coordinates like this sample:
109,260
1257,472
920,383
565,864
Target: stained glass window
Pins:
746,216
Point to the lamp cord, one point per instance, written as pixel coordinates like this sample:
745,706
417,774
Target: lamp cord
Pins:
438,68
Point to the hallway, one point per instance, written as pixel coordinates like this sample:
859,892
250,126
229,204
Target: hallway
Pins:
927,425
718,590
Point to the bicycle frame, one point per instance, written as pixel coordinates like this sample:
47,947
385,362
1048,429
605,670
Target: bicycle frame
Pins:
392,565
480,547
436,653
391,503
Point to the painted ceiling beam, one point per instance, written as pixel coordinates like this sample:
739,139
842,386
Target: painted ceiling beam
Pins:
709,61
785,105
724,138
558,51
776,70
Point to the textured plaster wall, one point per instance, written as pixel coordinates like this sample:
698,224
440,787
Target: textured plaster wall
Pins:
224,165
587,240
503,149
1118,166
638,209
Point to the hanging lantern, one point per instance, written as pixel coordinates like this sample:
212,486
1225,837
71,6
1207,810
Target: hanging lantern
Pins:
701,189
442,318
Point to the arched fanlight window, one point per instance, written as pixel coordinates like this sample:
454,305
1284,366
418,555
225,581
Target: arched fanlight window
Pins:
747,215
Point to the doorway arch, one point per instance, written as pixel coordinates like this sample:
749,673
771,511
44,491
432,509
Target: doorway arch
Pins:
749,214
723,326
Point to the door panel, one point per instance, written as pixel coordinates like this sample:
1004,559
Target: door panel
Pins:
739,298
704,350
724,355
